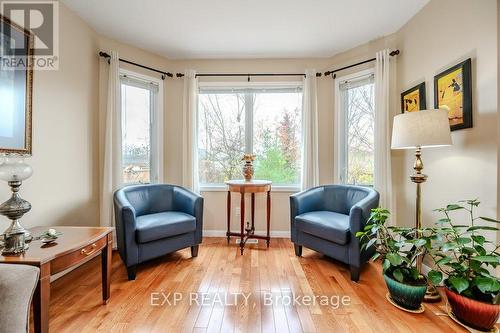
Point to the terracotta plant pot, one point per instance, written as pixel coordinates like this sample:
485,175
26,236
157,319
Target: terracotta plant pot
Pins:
476,314
405,295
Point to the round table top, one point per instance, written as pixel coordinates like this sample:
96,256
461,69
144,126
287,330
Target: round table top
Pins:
253,182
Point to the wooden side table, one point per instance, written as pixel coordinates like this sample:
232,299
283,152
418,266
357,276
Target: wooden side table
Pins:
71,248
252,187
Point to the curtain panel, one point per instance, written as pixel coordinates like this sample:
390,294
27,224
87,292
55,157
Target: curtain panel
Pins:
383,119
310,157
190,128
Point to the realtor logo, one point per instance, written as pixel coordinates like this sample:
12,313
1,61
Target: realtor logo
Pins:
29,28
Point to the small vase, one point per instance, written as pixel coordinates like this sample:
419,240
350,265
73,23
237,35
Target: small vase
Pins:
248,171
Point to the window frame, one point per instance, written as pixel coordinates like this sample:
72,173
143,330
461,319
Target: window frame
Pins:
339,125
249,124
156,127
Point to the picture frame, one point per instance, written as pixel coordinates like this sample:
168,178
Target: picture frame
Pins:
414,99
16,87
453,92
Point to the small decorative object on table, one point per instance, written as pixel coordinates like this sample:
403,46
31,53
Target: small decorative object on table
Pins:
49,236
248,166
14,170
14,243
465,260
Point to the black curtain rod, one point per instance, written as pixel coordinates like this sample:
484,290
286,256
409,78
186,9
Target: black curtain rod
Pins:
163,74
327,73
248,75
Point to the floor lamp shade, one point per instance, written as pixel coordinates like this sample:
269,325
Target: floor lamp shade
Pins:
426,128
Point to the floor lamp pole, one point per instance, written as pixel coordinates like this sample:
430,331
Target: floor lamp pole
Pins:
432,295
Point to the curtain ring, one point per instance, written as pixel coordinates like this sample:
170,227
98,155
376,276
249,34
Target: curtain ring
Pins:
248,78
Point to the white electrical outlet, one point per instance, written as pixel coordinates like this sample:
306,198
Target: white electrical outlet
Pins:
237,211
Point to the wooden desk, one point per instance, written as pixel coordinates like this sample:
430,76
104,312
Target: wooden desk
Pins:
243,187
71,248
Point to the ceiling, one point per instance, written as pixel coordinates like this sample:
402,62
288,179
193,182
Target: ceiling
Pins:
180,29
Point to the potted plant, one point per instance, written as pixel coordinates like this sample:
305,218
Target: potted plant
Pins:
465,260
398,248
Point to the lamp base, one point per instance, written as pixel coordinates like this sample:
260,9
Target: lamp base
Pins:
432,295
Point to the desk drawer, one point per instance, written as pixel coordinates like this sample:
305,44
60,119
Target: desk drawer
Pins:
73,258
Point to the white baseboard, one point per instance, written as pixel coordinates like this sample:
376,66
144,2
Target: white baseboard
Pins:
222,233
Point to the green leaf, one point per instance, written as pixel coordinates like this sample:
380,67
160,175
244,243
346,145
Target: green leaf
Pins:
459,283
398,275
420,242
360,234
449,246
486,284
481,227
478,239
489,219
371,242
435,277
443,220
386,264
394,258
480,250
493,259
375,256
463,240
454,207
443,261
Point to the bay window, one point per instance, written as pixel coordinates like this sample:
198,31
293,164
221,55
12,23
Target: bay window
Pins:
261,120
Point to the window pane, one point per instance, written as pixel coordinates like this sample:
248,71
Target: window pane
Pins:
277,135
360,135
221,136
136,141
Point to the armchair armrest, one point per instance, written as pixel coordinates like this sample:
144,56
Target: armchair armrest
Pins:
361,211
125,224
190,203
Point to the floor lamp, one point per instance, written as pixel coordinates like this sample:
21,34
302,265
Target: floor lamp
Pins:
417,130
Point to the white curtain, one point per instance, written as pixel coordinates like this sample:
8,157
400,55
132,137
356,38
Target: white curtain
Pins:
190,128
383,119
112,179
310,159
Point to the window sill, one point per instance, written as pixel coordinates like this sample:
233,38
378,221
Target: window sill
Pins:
276,188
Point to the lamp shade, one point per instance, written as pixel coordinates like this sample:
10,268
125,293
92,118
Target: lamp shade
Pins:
426,128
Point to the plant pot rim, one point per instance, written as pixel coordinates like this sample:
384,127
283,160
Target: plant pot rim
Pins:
424,283
472,299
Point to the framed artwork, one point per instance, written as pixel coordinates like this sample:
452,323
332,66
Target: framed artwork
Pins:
413,99
16,85
453,92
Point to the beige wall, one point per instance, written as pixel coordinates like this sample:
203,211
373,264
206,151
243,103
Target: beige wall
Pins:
64,187
429,44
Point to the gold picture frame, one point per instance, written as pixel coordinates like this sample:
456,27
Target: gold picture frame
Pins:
17,83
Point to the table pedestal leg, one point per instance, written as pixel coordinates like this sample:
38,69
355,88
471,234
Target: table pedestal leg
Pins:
106,255
268,217
228,235
242,219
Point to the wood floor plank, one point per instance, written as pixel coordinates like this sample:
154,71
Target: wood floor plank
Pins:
220,271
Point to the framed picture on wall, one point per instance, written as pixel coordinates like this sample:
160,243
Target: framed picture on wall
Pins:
413,99
453,92
16,84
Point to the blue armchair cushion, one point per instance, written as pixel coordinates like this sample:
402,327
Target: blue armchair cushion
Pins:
326,225
156,226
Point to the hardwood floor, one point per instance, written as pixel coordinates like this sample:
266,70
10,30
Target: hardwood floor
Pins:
219,270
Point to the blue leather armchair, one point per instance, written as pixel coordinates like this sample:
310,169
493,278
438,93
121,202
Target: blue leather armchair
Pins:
156,219
326,219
